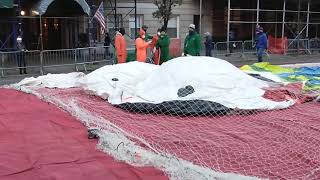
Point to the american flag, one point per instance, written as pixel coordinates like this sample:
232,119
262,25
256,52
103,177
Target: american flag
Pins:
99,15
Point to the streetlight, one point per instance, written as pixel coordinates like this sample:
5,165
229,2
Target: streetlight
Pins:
41,41
22,13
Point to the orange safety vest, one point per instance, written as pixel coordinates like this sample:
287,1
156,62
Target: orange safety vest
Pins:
121,48
141,47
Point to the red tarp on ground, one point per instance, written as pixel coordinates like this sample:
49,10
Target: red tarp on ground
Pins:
39,141
281,144
278,45
290,91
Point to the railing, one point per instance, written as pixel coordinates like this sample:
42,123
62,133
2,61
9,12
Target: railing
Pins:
314,45
299,45
10,61
224,48
79,58
84,59
50,60
249,47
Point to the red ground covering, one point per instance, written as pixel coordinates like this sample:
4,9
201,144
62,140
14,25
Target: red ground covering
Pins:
39,141
290,91
281,144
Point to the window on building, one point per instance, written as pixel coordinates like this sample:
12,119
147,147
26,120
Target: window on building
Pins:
173,27
132,33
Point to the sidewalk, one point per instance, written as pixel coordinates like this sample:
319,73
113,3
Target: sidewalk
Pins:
236,59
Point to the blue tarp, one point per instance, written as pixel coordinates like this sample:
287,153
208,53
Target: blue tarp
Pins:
309,71
303,71
311,76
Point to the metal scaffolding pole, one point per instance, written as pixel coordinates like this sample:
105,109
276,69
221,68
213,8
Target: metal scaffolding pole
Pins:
283,19
228,26
258,11
308,19
117,17
135,18
200,23
283,25
116,25
135,23
299,25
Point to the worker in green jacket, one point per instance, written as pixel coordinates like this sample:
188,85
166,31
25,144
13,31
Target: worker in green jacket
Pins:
163,44
192,43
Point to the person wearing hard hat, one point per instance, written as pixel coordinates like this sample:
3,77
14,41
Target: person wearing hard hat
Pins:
121,46
192,43
141,46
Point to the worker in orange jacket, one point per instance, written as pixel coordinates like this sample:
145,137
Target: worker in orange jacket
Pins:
121,46
155,50
141,47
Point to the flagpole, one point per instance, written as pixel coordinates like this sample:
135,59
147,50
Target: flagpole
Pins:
97,10
89,29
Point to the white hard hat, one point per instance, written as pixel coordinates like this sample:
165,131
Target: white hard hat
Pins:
192,26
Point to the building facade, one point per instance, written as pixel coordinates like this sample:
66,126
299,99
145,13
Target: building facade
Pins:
55,24
67,24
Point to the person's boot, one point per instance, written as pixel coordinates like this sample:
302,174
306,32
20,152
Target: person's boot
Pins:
25,71
20,70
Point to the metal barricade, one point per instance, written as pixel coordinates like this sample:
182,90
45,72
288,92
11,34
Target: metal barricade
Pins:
249,47
225,48
16,60
79,57
82,56
59,57
298,45
314,45
99,55
96,57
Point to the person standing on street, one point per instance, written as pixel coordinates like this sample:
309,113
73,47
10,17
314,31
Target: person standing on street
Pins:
163,44
262,43
21,55
208,44
192,43
142,46
155,50
121,46
107,42
232,38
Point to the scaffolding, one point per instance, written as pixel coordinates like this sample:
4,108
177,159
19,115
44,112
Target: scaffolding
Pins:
302,23
115,16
